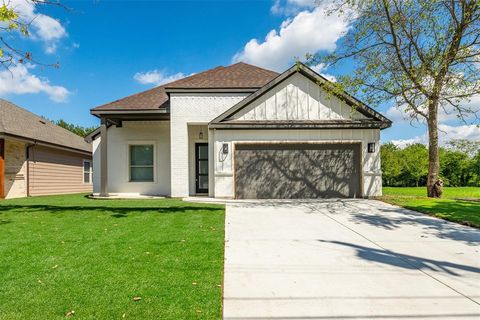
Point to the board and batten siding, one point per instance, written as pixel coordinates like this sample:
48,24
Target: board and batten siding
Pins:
298,98
224,164
54,171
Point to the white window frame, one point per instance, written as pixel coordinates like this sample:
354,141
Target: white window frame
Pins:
90,173
142,143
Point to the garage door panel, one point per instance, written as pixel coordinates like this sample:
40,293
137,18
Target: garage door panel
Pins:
288,171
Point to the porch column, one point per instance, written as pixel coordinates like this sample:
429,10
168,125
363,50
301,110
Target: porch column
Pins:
211,162
103,159
2,168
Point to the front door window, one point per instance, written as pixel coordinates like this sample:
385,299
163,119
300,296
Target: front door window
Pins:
201,159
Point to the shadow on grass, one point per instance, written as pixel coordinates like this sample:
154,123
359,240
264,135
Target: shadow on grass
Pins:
115,212
405,261
392,218
397,218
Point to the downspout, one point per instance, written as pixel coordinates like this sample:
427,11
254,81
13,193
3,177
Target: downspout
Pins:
28,166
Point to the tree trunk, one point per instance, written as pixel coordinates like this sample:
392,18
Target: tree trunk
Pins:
433,157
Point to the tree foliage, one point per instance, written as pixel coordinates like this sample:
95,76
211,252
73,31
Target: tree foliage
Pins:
13,25
407,167
77,129
422,55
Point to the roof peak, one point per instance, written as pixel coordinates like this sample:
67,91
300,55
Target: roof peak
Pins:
21,122
238,76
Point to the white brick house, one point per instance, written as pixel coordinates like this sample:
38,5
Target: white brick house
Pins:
239,132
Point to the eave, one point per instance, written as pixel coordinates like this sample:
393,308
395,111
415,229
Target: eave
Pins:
43,143
295,124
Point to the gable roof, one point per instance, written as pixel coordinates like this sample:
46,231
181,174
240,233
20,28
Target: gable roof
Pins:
312,75
20,123
237,76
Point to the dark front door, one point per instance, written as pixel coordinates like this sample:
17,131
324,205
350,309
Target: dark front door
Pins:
201,167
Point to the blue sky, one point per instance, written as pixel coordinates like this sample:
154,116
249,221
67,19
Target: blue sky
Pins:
110,49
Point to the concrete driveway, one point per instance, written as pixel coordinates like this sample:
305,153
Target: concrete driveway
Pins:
347,259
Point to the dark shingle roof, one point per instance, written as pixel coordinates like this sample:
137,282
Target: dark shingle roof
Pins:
22,123
237,76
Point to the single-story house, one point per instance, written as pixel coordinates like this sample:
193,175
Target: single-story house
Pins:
239,132
38,157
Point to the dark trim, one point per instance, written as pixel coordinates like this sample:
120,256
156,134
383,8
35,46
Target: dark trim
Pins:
211,90
92,135
44,143
313,76
2,168
103,159
28,158
128,111
266,125
117,118
197,168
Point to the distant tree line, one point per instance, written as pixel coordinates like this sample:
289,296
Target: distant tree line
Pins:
408,166
78,130
75,128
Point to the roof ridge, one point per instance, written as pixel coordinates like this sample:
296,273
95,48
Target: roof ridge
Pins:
42,118
36,127
202,73
240,75
252,65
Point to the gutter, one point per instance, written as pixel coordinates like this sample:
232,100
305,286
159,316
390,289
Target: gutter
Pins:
41,143
28,166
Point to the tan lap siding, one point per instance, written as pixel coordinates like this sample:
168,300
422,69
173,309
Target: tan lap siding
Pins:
54,171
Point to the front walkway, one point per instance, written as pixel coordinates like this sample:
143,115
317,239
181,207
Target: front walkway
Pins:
347,259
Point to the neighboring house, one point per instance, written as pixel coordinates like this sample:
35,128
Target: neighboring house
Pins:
239,132
38,157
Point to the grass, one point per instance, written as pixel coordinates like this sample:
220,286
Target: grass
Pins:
448,192
449,207
63,253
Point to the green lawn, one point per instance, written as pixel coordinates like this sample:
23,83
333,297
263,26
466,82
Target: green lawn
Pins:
448,208
448,192
64,253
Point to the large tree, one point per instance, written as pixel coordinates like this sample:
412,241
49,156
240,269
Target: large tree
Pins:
16,19
421,54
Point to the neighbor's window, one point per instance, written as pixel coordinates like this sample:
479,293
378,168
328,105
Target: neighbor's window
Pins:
87,171
141,163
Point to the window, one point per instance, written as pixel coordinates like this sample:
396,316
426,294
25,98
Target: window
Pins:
87,171
141,163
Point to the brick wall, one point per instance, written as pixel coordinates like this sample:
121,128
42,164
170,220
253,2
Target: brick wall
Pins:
194,109
15,169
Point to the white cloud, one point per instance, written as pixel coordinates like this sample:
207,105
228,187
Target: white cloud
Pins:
446,114
19,80
290,6
445,134
45,28
468,132
308,32
319,68
156,77
402,143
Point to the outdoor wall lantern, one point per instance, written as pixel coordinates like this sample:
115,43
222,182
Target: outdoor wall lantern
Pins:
225,148
371,147
200,135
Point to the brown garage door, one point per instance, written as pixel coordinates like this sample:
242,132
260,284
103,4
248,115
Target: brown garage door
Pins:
297,171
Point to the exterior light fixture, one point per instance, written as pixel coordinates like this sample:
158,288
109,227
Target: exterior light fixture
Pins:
225,148
200,135
371,147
